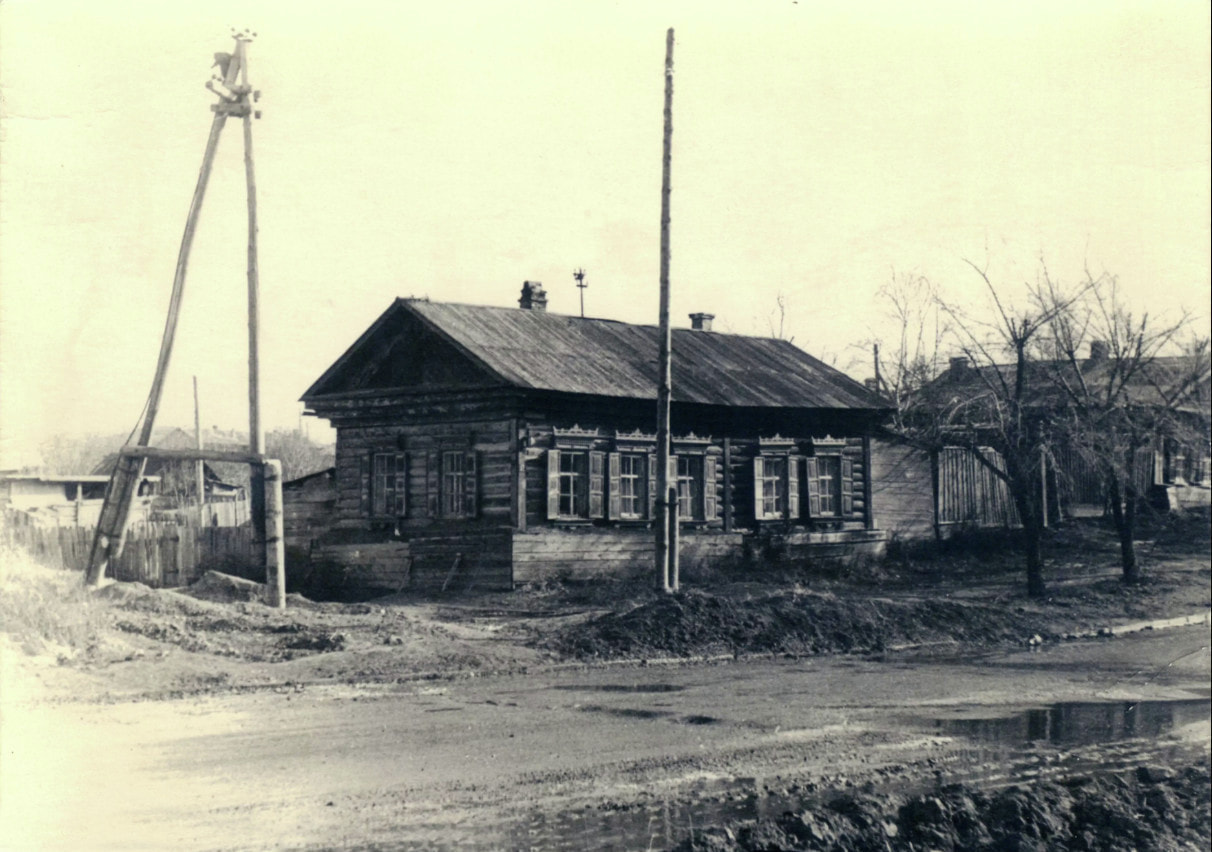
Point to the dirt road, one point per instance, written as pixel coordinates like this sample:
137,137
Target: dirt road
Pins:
606,757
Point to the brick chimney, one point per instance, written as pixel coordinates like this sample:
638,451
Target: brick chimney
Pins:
534,298
959,366
701,322
1098,350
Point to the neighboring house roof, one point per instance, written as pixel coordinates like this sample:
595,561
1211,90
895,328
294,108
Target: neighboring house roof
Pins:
154,469
537,350
1160,382
57,477
299,481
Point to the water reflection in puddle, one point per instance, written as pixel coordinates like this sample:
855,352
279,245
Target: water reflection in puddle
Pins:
1081,723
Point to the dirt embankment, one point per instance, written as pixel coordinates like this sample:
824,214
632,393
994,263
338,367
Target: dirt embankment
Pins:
788,622
135,641
1151,808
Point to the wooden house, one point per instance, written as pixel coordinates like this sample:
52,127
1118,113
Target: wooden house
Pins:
67,500
485,447
926,493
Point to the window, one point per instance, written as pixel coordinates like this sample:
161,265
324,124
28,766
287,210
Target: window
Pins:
830,486
632,485
576,484
690,488
384,485
773,483
695,476
452,484
573,480
776,487
829,481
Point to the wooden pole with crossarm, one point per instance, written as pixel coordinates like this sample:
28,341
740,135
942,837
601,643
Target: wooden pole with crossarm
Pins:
236,99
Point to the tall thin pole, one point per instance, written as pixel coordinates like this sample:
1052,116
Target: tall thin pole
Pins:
256,431
666,502
199,465
110,536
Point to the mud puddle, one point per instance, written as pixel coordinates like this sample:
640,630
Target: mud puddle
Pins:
989,752
1081,722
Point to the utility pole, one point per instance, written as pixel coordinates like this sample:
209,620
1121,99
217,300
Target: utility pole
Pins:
666,501
236,99
199,465
256,431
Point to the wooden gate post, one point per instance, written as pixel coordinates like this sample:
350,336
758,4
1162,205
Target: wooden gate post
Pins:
275,536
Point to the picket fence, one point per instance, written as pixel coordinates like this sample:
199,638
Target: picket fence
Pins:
158,554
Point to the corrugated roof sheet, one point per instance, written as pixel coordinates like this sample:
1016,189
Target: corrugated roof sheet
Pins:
554,352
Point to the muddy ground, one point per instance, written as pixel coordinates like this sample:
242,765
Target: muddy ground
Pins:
130,641
1149,808
402,717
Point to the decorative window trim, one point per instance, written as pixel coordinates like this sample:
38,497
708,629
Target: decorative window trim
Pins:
691,441
776,443
574,438
634,442
828,444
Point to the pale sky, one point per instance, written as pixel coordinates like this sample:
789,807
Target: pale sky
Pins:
456,150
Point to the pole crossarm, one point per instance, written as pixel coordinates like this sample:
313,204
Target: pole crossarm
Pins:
232,456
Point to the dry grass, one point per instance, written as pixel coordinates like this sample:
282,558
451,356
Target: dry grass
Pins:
46,609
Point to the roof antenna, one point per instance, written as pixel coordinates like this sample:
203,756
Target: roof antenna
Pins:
579,275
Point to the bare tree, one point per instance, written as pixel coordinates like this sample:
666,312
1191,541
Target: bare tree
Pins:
988,398
298,453
913,360
1141,384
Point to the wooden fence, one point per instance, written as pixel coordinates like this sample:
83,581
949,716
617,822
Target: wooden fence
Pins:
970,493
157,554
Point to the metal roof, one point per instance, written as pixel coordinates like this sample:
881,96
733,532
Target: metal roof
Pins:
552,352
1164,381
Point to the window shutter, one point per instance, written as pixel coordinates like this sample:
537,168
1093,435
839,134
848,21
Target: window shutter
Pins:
614,505
847,487
814,487
652,484
1159,467
710,505
471,483
433,482
364,484
597,484
553,484
759,472
793,488
401,507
